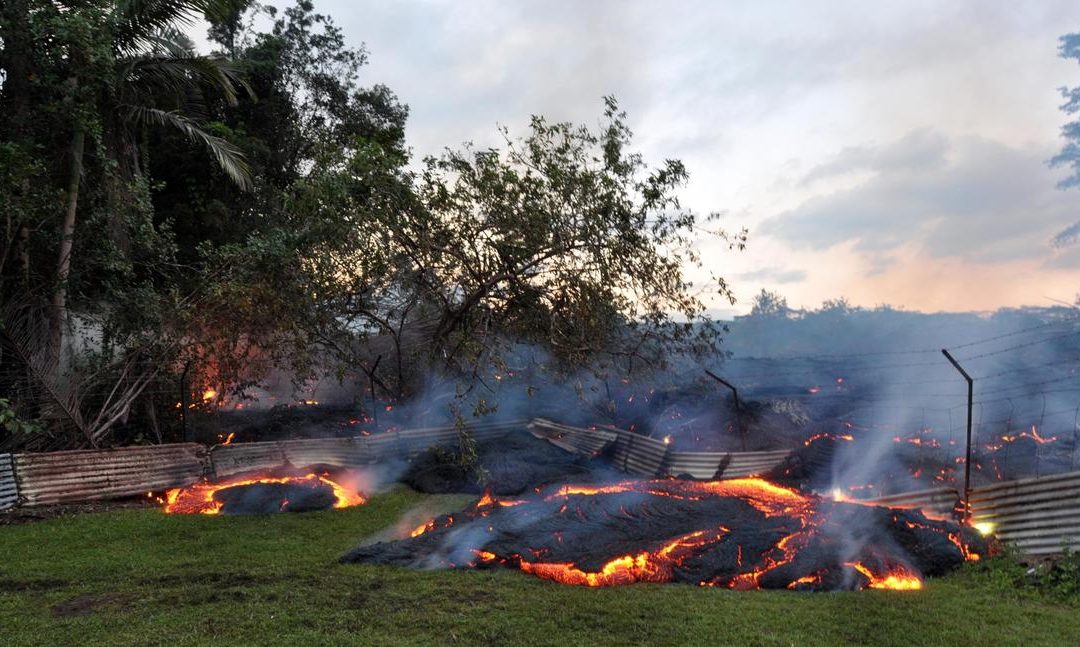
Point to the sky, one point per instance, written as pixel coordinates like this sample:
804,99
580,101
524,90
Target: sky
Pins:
883,152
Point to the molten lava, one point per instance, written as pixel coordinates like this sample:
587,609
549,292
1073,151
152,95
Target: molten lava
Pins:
213,498
742,534
824,435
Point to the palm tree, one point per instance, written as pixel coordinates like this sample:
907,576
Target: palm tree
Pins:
156,78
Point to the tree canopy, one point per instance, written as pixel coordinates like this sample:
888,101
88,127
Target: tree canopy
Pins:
1070,132
206,218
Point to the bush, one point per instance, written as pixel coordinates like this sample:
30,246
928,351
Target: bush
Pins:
1059,577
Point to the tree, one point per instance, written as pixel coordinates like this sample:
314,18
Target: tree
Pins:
1070,153
87,85
770,304
564,239
145,73
259,255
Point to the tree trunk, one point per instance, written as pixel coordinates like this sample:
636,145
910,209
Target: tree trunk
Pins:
67,239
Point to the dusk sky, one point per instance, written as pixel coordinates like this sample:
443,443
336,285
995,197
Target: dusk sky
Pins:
890,156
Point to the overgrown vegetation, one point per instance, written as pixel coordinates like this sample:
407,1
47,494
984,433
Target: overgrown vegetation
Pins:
221,215
1059,577
132,577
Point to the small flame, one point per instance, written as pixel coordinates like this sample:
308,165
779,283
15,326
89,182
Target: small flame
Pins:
898,579
422,528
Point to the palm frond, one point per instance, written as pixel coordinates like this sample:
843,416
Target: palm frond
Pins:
170,41
177,77
169,61
229,157
134,21
29,338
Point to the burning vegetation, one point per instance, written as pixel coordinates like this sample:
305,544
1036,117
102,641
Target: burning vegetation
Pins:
743,533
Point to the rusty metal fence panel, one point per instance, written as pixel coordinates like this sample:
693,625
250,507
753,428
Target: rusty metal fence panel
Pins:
226,460
246,457
411,442
88,475
342,452
1038,516
937,501
644,456
9,494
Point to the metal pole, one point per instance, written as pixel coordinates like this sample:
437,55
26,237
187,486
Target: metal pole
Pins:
374,402
183,402
967,457
734,391
738,407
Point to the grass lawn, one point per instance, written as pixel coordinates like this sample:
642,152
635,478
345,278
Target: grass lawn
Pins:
142,577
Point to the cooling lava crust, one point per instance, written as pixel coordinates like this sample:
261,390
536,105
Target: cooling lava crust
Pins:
741,533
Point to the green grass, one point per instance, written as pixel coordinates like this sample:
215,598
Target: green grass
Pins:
142,577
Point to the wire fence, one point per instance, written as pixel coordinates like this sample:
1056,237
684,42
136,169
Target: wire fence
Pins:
1025,420
1025,412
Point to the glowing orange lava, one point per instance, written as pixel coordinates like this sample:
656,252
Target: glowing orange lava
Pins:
768,497
823,435
199,498
809,518
1033,435
655,566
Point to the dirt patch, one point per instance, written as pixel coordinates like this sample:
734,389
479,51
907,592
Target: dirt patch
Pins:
23,515
89,604
223,580
11,585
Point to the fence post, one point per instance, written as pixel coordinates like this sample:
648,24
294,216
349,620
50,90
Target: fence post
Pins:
738,407
183,401
967,454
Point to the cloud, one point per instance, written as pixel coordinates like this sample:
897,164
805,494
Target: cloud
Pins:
1065,259
952,197
847,130
773,275
920,149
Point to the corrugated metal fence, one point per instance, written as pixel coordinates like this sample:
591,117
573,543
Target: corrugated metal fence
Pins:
590,442
940,502
9,495
1039,516
92,474
356,451
644,456
227,460
410,442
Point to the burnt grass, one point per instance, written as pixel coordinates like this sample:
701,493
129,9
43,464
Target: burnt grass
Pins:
137,576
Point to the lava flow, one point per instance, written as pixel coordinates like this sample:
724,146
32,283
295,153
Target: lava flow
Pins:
262,494
741,533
